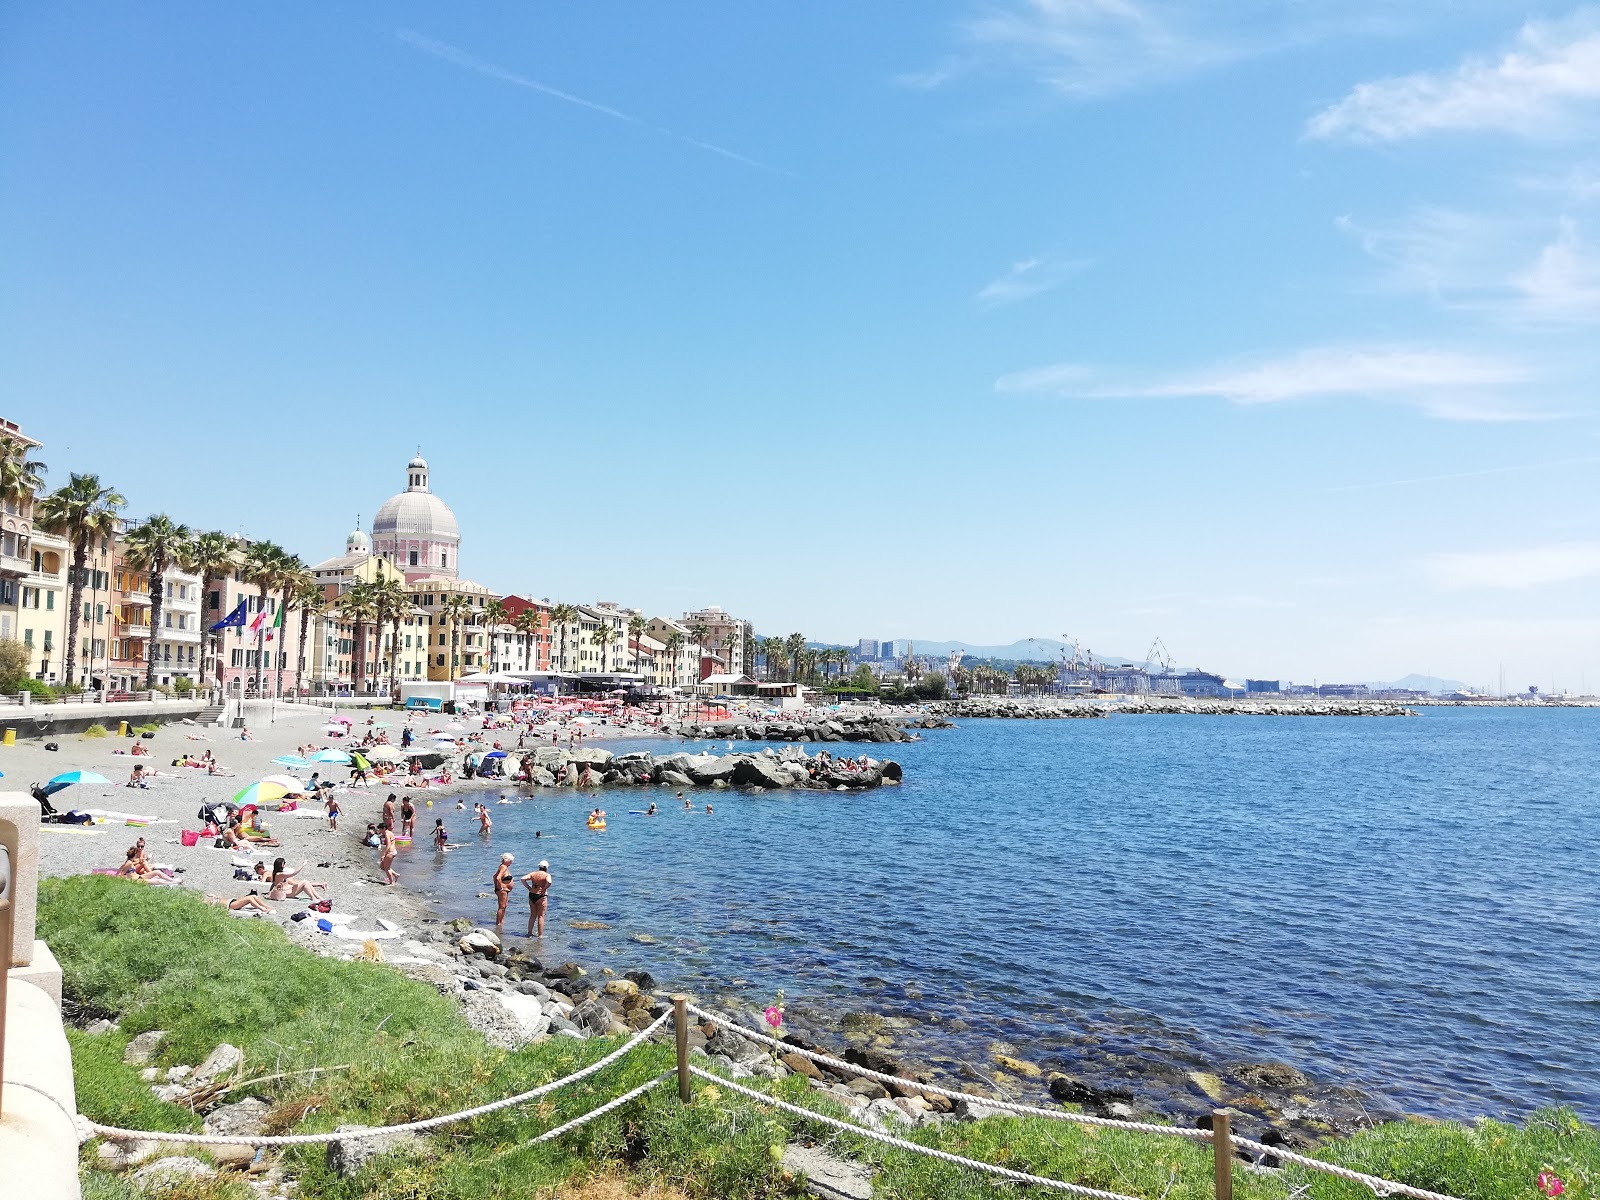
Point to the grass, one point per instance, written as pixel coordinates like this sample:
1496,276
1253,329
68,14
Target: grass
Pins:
151,727
96,731
162,959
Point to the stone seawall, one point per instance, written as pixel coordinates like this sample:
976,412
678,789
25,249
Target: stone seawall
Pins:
554,766
1042,710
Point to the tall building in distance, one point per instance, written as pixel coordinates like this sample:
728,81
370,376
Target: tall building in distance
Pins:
725,636
416,531
867,649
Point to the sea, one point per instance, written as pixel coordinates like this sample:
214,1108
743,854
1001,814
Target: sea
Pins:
1406,907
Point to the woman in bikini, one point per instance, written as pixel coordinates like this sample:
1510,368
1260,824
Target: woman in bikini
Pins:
502,889
286,887
386,854
538,884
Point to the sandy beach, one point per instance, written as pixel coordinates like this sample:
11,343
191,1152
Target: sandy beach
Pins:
174,795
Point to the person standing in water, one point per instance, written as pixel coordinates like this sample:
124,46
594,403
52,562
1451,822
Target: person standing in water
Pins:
502,889
538,884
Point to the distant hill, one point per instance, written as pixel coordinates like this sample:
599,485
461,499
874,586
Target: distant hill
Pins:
1423,683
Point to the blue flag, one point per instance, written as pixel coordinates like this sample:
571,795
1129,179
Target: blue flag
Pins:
235,619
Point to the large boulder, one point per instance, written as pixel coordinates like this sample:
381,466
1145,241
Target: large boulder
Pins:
708,770
346,1156
760,771
592,1018
142,1048
222,1061
480,941
591,756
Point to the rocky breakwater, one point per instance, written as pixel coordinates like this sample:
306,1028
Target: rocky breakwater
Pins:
1251,708
834,727
792,767
1025,710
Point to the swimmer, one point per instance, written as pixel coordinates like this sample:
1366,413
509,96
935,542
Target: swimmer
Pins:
686,803
708,808
651,811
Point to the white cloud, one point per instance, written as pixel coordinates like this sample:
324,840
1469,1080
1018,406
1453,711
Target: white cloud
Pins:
1537,89
1029,278
1443,383
1534,566
1563,284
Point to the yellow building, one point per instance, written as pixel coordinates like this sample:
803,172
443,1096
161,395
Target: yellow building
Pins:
34,567
344,659
471,649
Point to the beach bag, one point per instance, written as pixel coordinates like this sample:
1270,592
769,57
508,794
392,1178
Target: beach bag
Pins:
189,837
324,924
51,746
322,906
220,844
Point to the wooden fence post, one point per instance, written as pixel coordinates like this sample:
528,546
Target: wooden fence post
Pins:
1222,1152
680,1026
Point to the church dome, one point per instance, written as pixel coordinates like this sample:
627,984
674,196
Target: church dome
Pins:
416,515
357,543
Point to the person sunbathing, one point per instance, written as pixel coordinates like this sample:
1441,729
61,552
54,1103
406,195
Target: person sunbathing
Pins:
286,887
238,834
250,903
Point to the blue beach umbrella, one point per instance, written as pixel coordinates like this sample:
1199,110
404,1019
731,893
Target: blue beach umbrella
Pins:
331,756
293,761
495,754
67,777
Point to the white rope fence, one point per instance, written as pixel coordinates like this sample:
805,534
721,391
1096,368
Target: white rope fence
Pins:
901,1144
112,1133
1380,1187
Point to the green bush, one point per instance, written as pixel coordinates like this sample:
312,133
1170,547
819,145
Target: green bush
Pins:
96,731
183,685
152,727
38,687
14,660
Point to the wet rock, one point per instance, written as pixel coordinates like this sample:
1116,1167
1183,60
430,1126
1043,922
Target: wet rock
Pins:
1069,1089
142,1048
480,941
620,988
801,1065
458,926
1207,1083
592,1018
1277,1076
642,980
1017,1067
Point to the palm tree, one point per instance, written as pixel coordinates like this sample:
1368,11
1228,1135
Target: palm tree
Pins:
21,477
728,643
393,602
494,616
294,582
794,645
674,648
81,512
602,637
211,555
636,626
456,609
359,606
309,598
263,564
561,616
152,547
526,623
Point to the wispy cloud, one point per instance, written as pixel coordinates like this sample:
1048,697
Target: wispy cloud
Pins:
1508,267
1029,278
1540,88
461,58
1533,566
1446,384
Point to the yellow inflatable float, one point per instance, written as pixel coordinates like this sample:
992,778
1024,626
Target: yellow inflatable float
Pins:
594,824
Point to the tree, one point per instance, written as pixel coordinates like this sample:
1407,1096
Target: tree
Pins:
602,637
211,555
636,627
456,609
359,606
263,565
729,641
494,616
793,646
81,512
14,662
674,648
864,680
152,547
21,477
561,616
526,623
295,581
393,602
748,636
310,600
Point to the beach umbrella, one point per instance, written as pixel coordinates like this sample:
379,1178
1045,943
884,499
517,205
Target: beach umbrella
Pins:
495,754
380,725
293,761
289,783
261,792
360,763
338,720
443,737
384,754
419,751
67,777
331,756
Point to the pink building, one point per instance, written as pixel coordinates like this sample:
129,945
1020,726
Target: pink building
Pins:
239,648
416,530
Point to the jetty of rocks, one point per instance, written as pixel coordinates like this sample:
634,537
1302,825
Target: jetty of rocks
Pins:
555,766
834,727
984,706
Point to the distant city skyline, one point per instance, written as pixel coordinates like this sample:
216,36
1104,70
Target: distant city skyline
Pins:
1270,331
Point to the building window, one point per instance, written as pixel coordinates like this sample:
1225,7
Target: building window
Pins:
30,642
413,558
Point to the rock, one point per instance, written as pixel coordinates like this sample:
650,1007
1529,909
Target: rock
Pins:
760,771
432,974
1017,1067
884,1114
1117,1110
150,1074
171,1172
870,1088
488,1013
706,770
480,941
642,980
1068,1089
458,926
143,1047
593,1018
675,779
528,1012
178,1074
119,1156
98,1027
242,1119
801,1065
567,970
346,1156
1207,1083
621,988
638,1019
1278,1076
491,970
236,1158
224,1060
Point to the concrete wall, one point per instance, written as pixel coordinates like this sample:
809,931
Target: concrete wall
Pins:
34,721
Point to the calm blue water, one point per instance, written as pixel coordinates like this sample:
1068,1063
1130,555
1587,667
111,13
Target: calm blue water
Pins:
1404,906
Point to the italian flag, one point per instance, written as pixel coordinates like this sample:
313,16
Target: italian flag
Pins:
277,623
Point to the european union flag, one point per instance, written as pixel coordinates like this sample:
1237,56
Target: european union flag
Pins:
235,619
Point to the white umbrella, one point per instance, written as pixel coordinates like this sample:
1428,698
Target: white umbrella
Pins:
287,782
384,754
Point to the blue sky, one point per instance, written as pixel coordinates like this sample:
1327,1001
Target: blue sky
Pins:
1268,328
